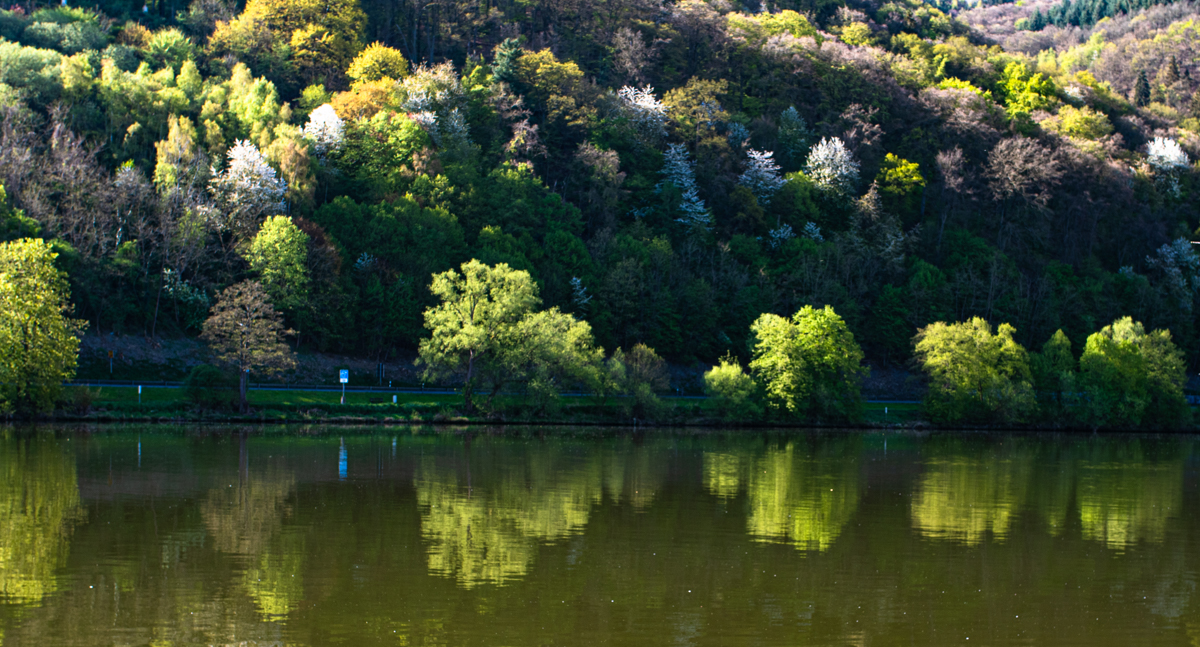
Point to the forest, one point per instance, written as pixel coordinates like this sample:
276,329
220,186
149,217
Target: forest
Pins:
667,172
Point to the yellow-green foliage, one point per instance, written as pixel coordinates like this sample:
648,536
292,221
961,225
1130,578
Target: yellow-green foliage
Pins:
731,387
857,33
809,364
278,254
321,36
1133,377
39,507
1023,92
761,26
38,346
969,499
958,84
899,177
974,375
377,62
800,499
1083,123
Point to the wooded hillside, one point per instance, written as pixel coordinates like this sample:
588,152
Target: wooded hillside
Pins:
667,171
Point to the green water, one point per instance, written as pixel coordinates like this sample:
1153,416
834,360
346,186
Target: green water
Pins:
204,536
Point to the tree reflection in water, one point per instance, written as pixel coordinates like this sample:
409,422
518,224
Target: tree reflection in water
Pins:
245,520
483,522
39,508
1128,498
963,497
801,497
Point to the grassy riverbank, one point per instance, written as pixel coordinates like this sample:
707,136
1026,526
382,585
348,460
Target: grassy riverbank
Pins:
271,405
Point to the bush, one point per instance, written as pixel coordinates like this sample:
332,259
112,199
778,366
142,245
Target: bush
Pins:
209,387
732,389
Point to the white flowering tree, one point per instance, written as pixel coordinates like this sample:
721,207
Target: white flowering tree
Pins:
780,235
1168,160
436,99
647,114
761,175
246,190
1180,268
831,166
326,130
680,171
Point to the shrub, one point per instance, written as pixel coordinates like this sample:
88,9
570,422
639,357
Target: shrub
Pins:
732,389
209,387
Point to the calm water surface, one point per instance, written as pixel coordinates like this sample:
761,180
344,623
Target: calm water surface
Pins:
201,536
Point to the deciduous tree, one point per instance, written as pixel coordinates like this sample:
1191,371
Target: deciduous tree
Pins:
38,343
245,331
974,375
809,364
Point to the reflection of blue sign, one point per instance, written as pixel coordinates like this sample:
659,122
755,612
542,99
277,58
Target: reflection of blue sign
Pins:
345,375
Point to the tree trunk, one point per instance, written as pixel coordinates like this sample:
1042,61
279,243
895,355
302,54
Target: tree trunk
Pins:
468,403
242,390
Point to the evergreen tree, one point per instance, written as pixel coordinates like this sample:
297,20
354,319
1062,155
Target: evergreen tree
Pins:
1141,89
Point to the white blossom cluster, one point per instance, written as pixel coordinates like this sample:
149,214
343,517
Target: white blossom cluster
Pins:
1168,159
647,114
831,166
436,99
1180,267
680,171
325,129
435,89
811,230
248,187
1165,154
761,175
780,235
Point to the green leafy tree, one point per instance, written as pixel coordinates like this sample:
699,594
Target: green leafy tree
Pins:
38,343
732,389
487,327
641,375
974,375
1055,377
552,350
382,155
900,185
1133,378
809,364
14,223
279,254
178,155
245,332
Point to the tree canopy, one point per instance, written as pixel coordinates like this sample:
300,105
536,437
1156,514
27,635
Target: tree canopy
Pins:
38,339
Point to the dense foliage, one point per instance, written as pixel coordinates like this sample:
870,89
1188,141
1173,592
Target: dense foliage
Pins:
666,172
38,345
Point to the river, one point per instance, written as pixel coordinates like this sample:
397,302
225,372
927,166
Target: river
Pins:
191,535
